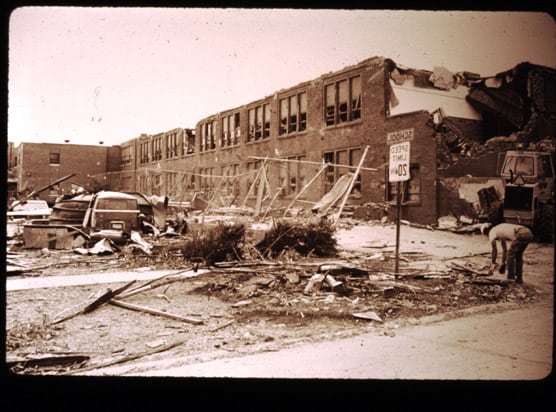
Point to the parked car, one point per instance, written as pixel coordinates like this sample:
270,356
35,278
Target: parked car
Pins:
112,214
30,209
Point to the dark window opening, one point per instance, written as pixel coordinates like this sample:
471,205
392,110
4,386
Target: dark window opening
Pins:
293,114
54,158
342,101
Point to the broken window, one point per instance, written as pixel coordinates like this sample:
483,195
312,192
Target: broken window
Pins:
157,148
343,97
144,149
236,129
410,189
342,101
292,175
355,87
208,138
293,114
342,162
212,135
54,158
251,130
225,137
203,136
259,122
292,126
283,117
302,112
188,146
330,104
266,120
171,145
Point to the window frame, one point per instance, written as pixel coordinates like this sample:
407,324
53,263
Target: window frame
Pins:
54,159
334,171
286,125
333,115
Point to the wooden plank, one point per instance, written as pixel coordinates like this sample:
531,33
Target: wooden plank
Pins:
260,190
89,305
128,358
322,169
126,305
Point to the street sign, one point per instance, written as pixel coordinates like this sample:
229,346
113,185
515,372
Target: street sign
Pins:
404,135
399,162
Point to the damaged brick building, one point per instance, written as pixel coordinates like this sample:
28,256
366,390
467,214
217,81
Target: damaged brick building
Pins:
308,136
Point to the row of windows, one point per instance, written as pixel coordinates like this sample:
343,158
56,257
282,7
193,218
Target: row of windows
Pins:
292,178
152,150
342,103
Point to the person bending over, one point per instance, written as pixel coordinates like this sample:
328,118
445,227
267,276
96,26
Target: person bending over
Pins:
520,237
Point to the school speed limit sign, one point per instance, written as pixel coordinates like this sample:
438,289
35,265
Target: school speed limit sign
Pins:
399,162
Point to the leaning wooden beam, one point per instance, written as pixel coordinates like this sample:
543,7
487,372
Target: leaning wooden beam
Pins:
148,282
151,285
89,305
322,169
251,188
194,321
351,184
260,190
278,190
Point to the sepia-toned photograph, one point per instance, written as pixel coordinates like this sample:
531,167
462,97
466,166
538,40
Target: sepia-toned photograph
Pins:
276,193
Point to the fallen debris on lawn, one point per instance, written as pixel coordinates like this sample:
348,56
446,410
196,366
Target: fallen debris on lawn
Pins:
288,273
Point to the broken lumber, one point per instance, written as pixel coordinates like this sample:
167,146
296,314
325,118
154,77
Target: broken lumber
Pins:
222,326
89,305
490,281
62,360
468,269
128,358
146,285
400,286
350,187
156,312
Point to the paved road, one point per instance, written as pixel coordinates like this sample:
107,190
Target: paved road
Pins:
515,344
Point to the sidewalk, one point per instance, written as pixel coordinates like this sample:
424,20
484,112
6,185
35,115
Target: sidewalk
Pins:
511,345
93,278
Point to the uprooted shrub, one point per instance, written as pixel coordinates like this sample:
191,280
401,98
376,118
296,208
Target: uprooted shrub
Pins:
305,237
215,243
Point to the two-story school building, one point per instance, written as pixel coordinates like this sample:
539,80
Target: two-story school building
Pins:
306,137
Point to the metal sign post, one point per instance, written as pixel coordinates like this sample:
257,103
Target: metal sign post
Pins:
399,172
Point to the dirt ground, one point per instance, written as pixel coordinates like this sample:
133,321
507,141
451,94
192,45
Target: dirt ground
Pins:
258,305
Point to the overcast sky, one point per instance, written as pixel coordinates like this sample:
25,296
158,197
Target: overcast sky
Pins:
106,74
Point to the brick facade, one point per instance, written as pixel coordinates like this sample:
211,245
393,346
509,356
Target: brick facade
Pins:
39,164
220,151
